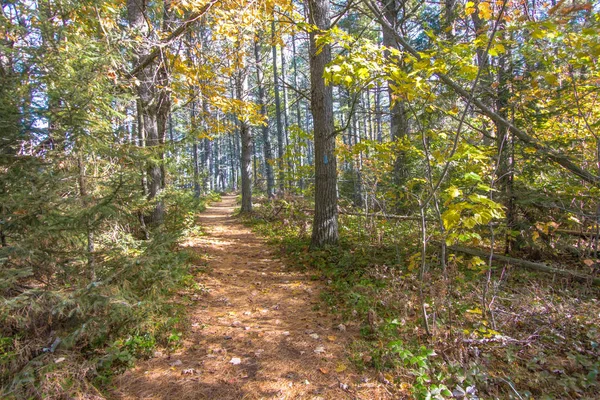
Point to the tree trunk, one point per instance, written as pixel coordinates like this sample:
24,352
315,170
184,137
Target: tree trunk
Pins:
83,193
286,123
399,116
153,106
325,223
298,112
378,113
241,88
246,160
504,145
280,137
264,128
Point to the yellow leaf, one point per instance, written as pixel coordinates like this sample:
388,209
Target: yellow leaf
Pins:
469,8
485,10
454,192
341,368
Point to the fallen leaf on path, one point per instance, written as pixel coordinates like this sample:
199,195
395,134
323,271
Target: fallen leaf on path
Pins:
331,338
235,361
341,368
324,371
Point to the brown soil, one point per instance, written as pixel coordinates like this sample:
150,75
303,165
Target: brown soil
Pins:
261,312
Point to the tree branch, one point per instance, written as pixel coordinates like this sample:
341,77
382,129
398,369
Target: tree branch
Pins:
181,29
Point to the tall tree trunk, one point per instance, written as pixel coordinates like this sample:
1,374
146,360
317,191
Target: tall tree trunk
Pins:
298,112
280,138
325,223
378,113
194,128
154,106
268,155
83,192
241,88
504,144
246,161
369,114
207,153
286,123
399,116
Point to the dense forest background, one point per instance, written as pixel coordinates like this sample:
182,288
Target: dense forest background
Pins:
437,162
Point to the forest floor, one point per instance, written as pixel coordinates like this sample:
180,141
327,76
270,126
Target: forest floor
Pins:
256,329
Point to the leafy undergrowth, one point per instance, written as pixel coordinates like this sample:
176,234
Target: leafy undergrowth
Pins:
538,339
64,335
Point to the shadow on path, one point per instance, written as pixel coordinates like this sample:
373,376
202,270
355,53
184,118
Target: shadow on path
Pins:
261,313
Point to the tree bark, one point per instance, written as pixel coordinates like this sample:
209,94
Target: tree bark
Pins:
153,107
268,155
325,223
280,138
241,83
399,116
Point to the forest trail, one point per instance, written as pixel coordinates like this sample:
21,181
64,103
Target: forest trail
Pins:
256,333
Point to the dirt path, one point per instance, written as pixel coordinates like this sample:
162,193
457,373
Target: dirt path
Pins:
257,312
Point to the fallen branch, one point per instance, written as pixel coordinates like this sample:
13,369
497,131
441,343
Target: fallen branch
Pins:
383,216
376,215
526,264
576,233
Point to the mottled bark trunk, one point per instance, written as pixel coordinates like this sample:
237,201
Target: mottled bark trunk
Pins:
280,138
83,193
268,155
325,223
246,164
153,107
379,131
207,153
398,114
504,144
232,156
241,88
298,111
